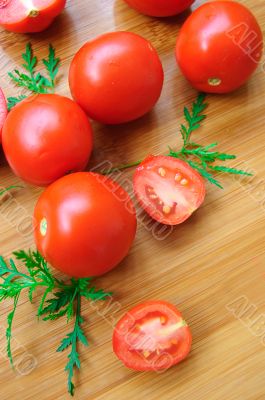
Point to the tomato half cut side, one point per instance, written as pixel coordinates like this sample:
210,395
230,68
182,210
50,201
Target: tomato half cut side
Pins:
152,336
29,15
168,189
3,112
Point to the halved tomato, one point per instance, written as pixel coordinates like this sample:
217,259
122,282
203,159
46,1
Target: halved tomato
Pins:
168,189
152,336
25,16
3,112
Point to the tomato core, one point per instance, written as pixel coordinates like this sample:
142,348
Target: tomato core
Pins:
154,334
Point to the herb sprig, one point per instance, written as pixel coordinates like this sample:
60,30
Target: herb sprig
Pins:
32,80
201,158
7,189
64,300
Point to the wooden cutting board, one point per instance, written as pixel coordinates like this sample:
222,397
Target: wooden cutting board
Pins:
212,267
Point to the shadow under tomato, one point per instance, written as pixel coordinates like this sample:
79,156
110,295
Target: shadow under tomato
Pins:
116,143
161,32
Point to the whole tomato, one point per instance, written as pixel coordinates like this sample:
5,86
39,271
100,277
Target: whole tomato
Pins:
84,224
30,15
45,137
3,112
160,8
116,77
219,46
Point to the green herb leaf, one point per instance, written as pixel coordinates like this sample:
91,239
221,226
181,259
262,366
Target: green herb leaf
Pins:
65,297
32,80
71,340
13,101
220,168
10,319
197,156
52,65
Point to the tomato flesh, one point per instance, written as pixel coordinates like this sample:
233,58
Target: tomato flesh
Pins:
116,78
160,8
219,46
45,137
152,336
29,15
3,112
168,189
84,224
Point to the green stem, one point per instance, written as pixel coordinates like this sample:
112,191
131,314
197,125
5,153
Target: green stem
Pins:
9,329
121,167
9,188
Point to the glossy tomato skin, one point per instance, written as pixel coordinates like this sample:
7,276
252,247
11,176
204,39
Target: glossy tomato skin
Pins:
3,112
127,337
45,137
168,189
17,17
85,224
116,78
160,8
219,46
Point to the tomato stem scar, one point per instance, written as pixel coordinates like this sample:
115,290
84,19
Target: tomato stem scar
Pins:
43,226
214,81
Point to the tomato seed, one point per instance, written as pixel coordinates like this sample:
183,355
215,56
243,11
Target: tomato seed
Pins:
183,182
166,209
153,196
150,189
162,171
146,353
177,177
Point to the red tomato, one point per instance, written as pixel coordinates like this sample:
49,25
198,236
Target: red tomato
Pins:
168,189
219,46
84,224
152,336
45,137
116,77
160,8
25,16
3,112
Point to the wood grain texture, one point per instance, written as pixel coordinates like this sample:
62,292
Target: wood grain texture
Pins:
202,266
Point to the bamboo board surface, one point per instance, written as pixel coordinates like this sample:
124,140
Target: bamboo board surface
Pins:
209,266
